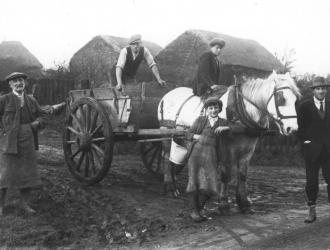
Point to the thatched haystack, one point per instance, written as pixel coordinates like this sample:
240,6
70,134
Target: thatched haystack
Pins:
94,61
178,60
15,57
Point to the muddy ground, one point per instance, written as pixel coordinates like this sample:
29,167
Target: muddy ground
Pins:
129,210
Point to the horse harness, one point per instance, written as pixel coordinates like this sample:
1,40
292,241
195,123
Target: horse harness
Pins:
245,117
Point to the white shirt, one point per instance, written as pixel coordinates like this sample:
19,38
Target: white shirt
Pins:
20,96
213,120
147,58
318,103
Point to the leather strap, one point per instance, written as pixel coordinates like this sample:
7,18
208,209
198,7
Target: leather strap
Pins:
179,110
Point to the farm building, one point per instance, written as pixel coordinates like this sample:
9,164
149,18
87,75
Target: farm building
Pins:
15,57
94,61
178,61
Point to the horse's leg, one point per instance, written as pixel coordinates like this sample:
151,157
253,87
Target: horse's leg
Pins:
174,170
170,179
241,188
224,207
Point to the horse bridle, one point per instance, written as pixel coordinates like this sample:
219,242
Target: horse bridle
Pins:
281,117
265,112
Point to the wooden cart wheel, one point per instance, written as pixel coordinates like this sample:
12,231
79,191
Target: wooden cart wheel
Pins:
88,141
154,157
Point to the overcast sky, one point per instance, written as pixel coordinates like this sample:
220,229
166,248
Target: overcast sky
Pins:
54,30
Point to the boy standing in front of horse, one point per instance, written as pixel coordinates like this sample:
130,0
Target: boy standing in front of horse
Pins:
203,156
314,133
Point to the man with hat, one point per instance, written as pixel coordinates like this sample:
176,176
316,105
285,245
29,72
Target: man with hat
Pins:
130,59
22,117
208,72
314,133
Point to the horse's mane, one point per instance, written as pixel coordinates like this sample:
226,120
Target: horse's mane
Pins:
259,90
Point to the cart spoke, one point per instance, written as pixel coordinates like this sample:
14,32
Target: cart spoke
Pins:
91,156
88,117
153,156
83,117
75,154
86,165
73,130
101,139
148,150
98,150
97,158
93,124
96,130
82,156
71,142
159,160
78,122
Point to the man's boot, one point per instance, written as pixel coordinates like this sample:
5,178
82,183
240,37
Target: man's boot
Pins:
3,193
25,195
311,217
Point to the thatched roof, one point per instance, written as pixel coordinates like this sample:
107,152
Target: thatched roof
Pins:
15,57
178,60
121,42
95,60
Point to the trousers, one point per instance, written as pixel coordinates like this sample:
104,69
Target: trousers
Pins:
312,175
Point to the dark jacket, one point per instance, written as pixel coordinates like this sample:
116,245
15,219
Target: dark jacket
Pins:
197,128
311,127
208,73
10,114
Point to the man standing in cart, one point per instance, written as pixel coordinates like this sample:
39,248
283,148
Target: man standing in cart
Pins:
314,133
130,59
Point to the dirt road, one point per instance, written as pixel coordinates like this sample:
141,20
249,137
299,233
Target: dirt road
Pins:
127,210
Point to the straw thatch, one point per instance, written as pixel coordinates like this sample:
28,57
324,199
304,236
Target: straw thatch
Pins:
15,57
178,61
96,59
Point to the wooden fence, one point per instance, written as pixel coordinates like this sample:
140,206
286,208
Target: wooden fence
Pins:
46,91
52,91
285,145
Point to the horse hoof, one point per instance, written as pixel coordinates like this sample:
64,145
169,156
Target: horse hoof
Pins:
176,193
224,208
224,211
171,191
196,217
247,210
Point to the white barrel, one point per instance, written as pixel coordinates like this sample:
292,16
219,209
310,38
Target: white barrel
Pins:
178,153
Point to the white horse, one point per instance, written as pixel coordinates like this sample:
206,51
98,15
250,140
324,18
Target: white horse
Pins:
263,100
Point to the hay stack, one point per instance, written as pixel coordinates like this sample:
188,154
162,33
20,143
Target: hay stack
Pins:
95,60
15,57
178,61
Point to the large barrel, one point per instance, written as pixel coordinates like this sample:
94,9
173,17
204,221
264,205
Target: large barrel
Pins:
145,97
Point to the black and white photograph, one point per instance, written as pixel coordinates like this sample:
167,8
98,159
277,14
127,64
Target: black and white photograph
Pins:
187,124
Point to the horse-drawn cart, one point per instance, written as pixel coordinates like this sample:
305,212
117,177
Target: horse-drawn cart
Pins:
98,118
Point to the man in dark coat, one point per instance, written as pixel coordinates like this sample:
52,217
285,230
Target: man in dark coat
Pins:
208,72
314,133
130,59
22,117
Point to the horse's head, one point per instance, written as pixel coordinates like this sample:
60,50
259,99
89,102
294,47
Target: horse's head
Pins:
282,102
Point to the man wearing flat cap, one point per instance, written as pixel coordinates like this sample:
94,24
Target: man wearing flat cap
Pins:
21,118
314,133
130,59
208,72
